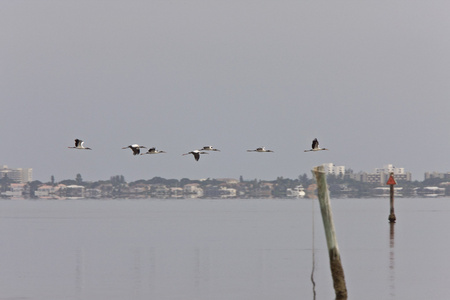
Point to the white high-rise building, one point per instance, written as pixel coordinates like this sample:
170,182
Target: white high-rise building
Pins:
390,169
331,169
381,175
20,175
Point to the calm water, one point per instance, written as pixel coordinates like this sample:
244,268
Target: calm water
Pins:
220,249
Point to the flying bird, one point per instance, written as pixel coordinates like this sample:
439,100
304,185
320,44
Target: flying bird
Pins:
79,145
135,148
196,154
315,146
261,149
153,151
209,148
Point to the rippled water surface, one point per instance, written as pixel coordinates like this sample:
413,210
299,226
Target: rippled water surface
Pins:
220,249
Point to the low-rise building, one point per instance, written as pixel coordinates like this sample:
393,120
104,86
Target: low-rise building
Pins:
229,181
44,191
385,191
432,175
431,191
192,190
176,192
107,189
74,191
93,193
15,190
219,192
160,191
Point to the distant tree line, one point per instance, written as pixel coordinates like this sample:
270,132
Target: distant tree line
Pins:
338,185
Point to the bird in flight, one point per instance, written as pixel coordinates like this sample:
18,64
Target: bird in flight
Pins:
135,148
153,151
79,145
209,148
196,154
260,149
315,146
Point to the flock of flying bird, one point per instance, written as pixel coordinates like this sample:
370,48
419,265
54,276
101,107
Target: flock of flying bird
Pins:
79,144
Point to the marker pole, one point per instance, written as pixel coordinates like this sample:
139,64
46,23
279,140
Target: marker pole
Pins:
391,182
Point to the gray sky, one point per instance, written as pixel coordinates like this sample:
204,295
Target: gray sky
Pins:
369,79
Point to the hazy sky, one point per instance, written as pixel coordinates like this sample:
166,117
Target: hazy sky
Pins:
369,79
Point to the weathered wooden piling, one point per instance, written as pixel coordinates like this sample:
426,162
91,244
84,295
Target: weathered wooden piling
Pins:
391,182
337,272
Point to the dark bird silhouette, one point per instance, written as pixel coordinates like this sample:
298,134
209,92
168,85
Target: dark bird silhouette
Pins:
135,148
315,146
79,145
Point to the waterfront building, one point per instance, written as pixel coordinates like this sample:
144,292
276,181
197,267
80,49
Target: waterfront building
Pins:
384,191
390,169
192,190
160,191
219,192
46,191
229,181
381,175
331,169
298,191
432,175
431,191
176,192
16,190
75,191
93,193
19,175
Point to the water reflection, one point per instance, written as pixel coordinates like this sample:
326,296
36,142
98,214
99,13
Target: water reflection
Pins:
79,270
201,270
151,263
313,250
198,249
392,260
198,272
136,275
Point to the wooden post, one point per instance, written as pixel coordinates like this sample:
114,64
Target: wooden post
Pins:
337,272
391,182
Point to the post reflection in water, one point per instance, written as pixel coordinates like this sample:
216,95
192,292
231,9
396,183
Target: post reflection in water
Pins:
152,270
248,249
201,271
194,272
137,274
313,251
79,270
392,260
